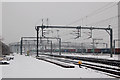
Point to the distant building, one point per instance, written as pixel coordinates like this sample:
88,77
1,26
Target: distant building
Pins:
4,49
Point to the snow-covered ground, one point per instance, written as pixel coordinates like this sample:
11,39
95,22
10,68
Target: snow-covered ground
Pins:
0,72
29,67
102,56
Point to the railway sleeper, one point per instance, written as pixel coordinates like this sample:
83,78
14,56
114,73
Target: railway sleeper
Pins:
59,64
103,70
104,61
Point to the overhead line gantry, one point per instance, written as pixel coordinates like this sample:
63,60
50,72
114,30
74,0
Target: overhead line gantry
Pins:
109,31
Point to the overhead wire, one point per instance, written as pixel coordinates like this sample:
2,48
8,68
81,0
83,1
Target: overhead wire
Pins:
98,11
104,20
94,12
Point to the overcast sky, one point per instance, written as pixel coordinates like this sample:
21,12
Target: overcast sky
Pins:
0,19
19,18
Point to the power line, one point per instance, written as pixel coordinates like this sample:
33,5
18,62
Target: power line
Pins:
104,20
104,9
94,13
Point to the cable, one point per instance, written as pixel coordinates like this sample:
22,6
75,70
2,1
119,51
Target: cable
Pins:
102,10
93,13
104,20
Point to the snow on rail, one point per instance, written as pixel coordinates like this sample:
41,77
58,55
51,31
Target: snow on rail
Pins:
56,62
29,67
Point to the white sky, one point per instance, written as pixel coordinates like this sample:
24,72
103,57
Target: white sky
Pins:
59,0
0,19
19,19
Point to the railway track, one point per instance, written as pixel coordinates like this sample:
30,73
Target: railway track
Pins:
56,63
95,60
114,72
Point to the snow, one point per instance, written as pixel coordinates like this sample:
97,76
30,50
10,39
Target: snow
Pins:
0,72
29,67
56,61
